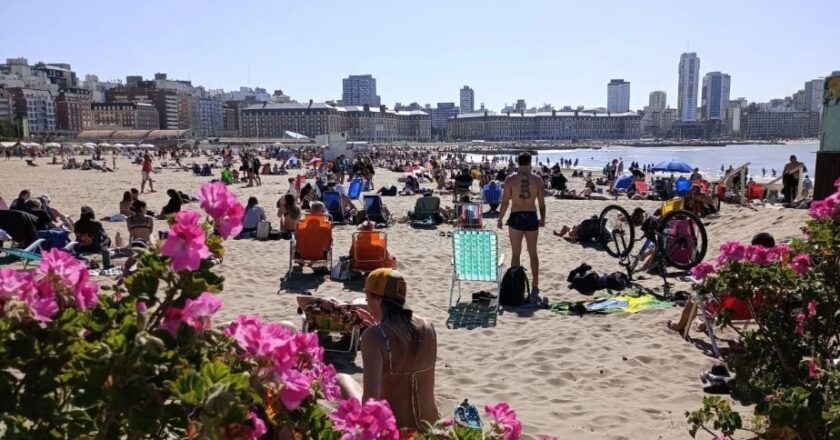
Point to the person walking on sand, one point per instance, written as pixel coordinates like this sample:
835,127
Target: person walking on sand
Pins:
146,174
523,191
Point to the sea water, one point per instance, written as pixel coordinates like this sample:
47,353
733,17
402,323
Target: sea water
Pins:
707,159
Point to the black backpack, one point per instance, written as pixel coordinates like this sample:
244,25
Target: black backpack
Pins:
515,287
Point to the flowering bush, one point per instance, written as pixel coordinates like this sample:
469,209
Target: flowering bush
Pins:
786,367
143,359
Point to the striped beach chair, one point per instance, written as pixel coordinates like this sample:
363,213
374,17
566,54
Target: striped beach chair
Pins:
475,258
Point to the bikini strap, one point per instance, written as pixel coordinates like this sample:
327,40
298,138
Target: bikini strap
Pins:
388,348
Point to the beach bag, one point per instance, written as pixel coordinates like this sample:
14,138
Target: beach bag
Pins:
341,269
263,229
515,288
616,281
681,243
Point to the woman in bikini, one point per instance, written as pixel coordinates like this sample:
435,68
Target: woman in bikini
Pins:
399,355
140,225
289,213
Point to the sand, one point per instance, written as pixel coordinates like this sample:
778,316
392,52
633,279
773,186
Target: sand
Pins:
592,377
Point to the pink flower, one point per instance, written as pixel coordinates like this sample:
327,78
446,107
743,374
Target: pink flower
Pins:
141,307
813,370
702,270
776,253
259,429
60,264
757,255
825,209
223,206
185,244
372,421
326,377
800,323
187,218
296,388
812,308
801,264
86,296
505,421
13,283
837,184
197,312
172,319
731,251
41,301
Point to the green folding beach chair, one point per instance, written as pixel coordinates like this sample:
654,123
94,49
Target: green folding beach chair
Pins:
476,257
27,255
425,210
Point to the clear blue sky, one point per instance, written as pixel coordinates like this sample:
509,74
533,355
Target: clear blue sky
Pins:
562,52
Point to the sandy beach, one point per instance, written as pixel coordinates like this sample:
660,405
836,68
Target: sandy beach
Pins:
620,376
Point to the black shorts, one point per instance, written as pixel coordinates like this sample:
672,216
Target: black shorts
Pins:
524,221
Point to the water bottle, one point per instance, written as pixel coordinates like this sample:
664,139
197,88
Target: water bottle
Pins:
119,241
106,259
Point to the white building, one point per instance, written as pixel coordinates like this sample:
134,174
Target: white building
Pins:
467,100
658,100
814,95
618,96
715,96
689,72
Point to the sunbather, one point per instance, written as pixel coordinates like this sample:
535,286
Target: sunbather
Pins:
173,205
90,234
254,214
762,239
288,212
140,224
399,354
699,203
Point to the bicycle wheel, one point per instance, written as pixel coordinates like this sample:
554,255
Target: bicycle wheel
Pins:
683,238
617,233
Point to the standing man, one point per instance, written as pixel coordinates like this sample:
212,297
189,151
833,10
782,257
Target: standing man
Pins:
146,174
790,179
523,191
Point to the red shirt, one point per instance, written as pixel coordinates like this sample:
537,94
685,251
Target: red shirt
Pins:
147,165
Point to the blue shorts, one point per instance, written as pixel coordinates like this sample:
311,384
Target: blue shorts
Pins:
524,221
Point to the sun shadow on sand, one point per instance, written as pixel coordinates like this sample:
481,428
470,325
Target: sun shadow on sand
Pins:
301,283
471,316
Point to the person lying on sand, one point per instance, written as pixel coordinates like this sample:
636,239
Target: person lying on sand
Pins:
399,354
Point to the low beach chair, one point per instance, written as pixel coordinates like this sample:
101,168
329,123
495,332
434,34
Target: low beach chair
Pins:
461,189
355,189
311,242
425,210
682,186
492,195
475,257
642,188
339,325
31,253
469,215
709,306
755,192
374,210
332,200
370,251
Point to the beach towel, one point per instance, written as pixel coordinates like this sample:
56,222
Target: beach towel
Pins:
632,302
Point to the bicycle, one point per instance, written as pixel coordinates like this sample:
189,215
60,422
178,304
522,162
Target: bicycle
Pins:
678,239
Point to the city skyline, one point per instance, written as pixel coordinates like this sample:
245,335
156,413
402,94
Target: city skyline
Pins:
500,68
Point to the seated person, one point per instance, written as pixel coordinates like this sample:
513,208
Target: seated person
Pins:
307,196
289,213
762,239
235,174
368,225
33,206
699,203
227,175
90,234
412,185
347,205
140,225
254,214
399,355
318,208
173,205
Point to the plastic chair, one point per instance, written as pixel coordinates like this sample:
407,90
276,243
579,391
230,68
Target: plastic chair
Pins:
755,192
328,318
672,205
424,210
682,186
475,257
355,189
332,200
370,251
29,254
469,215
710,306
311,242
641,188
623,183
492,194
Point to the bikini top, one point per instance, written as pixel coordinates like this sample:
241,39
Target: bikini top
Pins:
412,375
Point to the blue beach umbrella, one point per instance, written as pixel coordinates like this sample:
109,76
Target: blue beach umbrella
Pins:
673,166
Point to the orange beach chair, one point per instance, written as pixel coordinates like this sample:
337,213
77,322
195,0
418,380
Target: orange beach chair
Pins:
370,251
312,242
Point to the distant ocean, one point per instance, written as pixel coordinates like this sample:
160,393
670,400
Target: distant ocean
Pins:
707,159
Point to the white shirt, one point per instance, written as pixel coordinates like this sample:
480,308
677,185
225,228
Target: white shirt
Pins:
253,216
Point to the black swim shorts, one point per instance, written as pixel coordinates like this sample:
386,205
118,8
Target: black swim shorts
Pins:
524,221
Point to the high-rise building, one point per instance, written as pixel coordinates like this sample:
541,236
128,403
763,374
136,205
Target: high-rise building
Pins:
467,100
439,115
814,95
520,106
138,116
37,106
72,109
715,96
359,90
618,96
6,108
689,72
658,100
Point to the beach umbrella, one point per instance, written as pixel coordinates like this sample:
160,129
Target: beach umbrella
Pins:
673,166
89,145
33,145
105,145
119,146
53,145
128,146
146,146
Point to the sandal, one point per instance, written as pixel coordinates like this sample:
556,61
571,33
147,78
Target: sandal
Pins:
467,416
